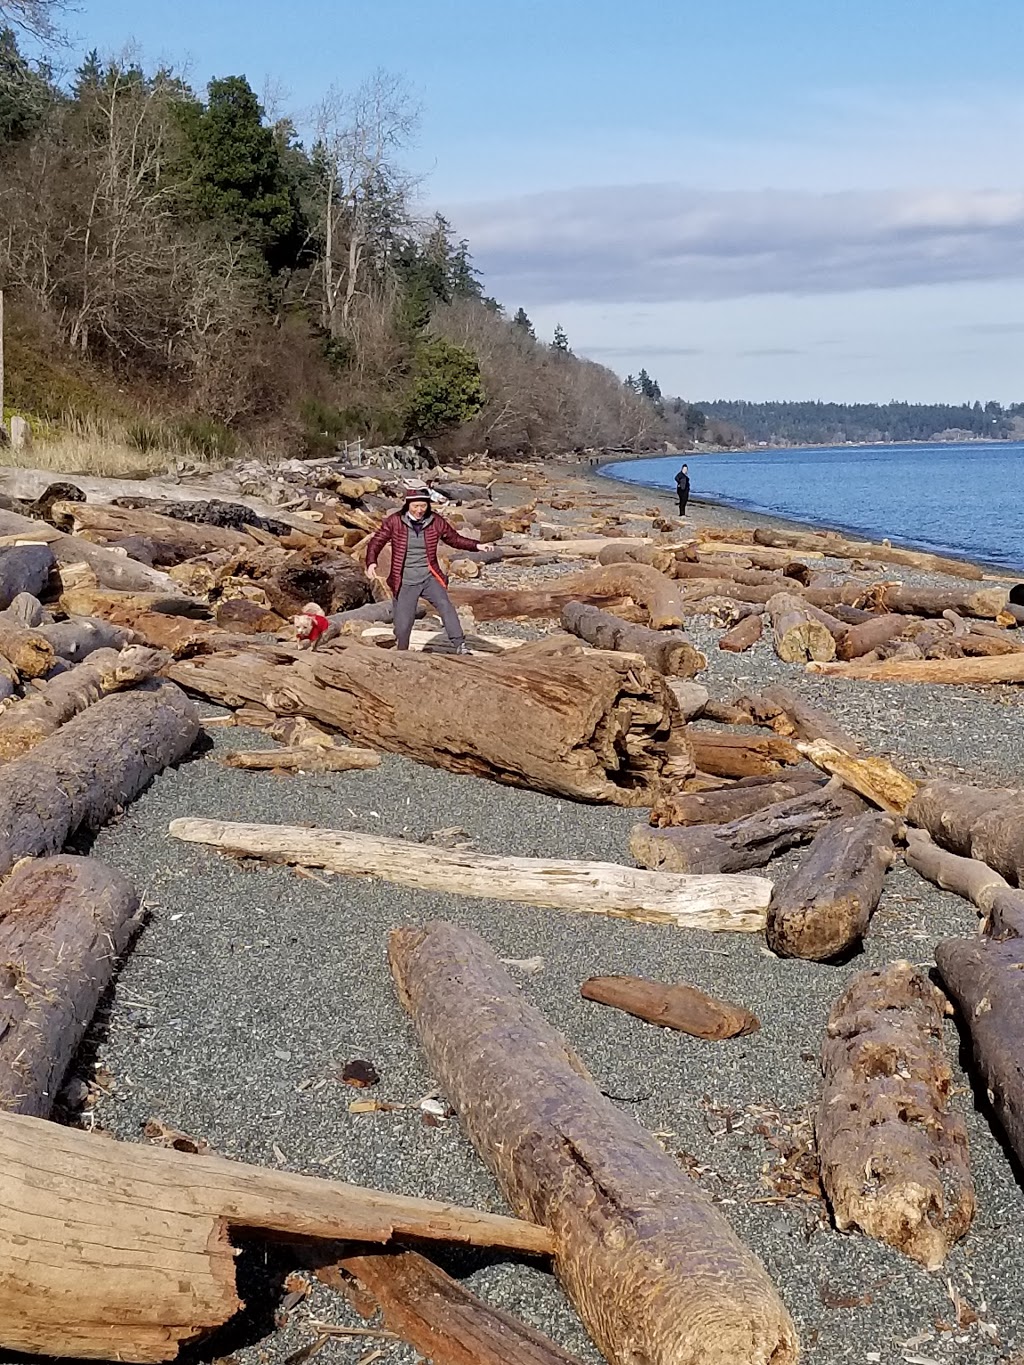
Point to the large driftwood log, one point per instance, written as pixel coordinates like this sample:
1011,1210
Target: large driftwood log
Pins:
29,651
900,597
189,538
751,841
580,727
657,594
797,633
739,755
671,655
734,903
877,780
823,909
90,769
113,570
27,723
24,569
119,1251
1001,904
731,802
976,822
142,616
673,1006
654,1270
1007,668
894,1160
838,547
985,980
870,634
79,636
63,924
743,635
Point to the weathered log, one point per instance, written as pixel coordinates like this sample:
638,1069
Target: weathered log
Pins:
658,595
90,769
743,635
731,802
732,755
914,601
79,636
865,638
705,569
156,1269
877,780
654,1270
63,924
672,1006
799,719
734,903
113,570
24,569
976,645
958,672
691,697
796,633
894,1160
1001,904
949,811
140,614
27,723
306,758
671,655
113,522
247,618
751,841
726,713
588,727
234,516
335,581
838,547
823,909
29,651
27,610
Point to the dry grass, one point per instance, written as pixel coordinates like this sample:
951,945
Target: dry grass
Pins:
75,454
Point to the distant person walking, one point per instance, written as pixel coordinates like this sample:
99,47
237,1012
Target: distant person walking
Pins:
683,489
414,534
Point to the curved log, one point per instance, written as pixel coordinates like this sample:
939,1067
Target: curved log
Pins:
1001,904
654,1270
671,655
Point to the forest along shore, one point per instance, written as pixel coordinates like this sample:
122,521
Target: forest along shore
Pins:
686,816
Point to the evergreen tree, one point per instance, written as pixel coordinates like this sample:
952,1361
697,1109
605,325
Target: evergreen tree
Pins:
560,343
522,321
26,91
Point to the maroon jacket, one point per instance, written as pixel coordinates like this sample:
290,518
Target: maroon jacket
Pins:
395,531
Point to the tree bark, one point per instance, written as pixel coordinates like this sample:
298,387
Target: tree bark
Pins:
743,635
727,903
96,764
654,1270
1001,904
576,727
959,672
27,723
823,909
751,841
799,719
156,1269
976,822
862,639
29,651
24,569
731,802
673,1006
63,924
873,778
112,570
671,655
729,755
894,1160
796,633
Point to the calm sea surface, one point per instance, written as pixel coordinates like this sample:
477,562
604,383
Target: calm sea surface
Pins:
962,500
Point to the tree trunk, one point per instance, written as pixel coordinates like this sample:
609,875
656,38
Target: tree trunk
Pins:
658,595
981,822
670,655
154,1268
691,697
729,755
188,538
862,639
823,909
672,1006
743,635
576,727
79,636
29,651
894,1160
799,719
654,1270
873,778
837,547
900,597
305,758
140,614
244,617
751,841
731,802
63,924
1001,904
796,633
89,770
112,570
27,723
959,672
727,903
24,569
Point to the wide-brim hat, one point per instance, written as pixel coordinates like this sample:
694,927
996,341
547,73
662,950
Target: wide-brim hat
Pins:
420,492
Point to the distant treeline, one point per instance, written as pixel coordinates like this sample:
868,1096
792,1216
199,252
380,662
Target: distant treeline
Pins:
833,423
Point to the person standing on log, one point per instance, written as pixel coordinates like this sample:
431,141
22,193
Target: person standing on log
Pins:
414,534
683,489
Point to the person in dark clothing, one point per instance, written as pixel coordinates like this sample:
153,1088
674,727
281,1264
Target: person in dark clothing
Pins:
414,534
683,489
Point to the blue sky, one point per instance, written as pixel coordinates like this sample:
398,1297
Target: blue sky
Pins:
753,198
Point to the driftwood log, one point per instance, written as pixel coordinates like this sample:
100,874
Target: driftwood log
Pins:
669,654
79,636
734,903
870,634
900,597
797,633
187,538
247,618
877,780
586,727
673,1006
823,909
90,769
800,719
743,635
113,570
1007,668
24,569
657,594
27,723
63,924
654,1270
147,619
731,802
1001,904
977,822
29,651
894,1159
156,1269
737,755
304,758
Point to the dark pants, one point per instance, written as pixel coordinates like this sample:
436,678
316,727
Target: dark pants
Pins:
682,503
405,611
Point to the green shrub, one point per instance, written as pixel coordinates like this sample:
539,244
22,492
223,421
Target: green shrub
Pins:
207,437
446,388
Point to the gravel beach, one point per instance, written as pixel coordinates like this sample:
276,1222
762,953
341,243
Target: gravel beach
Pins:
251,987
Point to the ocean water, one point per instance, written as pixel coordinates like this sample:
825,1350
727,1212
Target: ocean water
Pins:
963,500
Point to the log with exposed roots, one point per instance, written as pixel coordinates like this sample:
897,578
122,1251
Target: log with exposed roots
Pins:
91,768
670,654
894,1160
797,633
823,909
63,924
653,1268
673,1006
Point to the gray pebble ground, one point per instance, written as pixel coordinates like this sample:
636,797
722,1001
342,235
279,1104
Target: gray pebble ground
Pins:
252,985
